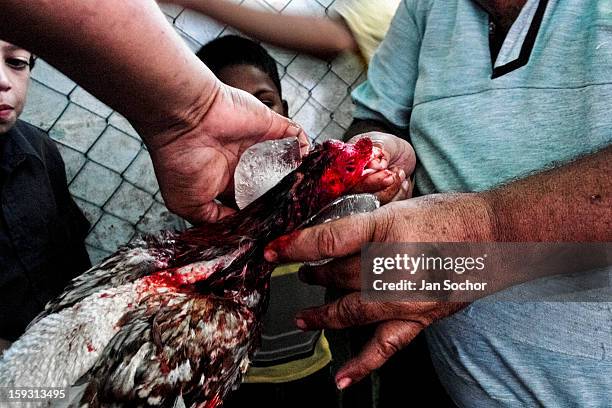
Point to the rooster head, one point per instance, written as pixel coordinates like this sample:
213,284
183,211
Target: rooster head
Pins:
345,165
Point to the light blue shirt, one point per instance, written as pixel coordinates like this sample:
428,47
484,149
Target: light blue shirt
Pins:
432,78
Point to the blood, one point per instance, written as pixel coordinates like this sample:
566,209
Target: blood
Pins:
179,278
165,279
283,242
90,347
163,365
213,403
347,169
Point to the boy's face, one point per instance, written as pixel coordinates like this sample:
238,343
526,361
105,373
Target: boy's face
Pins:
14,78
256,82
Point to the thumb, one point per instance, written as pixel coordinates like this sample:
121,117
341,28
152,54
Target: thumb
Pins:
330,240
209,212
282,127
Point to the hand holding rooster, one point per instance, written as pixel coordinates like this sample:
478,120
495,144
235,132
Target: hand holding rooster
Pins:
194,126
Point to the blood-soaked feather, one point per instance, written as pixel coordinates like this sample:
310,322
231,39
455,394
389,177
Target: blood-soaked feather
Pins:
172,319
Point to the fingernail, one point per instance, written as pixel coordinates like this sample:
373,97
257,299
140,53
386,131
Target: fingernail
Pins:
343,383
402,174
293,130
405,185
301,324
270,255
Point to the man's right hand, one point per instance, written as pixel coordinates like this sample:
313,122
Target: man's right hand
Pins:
195,163
195,127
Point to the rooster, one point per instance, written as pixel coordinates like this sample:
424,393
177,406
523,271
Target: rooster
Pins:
171,320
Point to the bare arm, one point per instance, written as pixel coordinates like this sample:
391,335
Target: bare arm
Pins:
570,203
143,69
318,36
127,55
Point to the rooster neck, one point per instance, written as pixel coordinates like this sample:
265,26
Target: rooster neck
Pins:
271,215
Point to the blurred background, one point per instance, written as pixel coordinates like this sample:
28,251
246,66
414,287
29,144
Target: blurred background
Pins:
108,168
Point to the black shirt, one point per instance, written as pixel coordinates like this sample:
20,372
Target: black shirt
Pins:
42,230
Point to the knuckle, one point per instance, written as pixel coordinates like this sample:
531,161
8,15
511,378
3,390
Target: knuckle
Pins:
387,347
361,369
380,226
327,242
348,314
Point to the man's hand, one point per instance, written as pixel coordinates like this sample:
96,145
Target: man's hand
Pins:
390,171
443,217
195,166
194,126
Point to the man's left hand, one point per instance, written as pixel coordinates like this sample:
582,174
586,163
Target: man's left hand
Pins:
434,218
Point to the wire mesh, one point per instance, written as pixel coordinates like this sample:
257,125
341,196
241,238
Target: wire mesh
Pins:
108,168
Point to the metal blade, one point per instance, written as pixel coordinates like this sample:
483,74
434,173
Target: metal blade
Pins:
343,207
340,208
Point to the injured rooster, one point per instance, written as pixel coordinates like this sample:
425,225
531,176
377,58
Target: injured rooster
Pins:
171,320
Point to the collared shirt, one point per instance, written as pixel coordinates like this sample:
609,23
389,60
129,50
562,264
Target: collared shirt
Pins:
42,230
477,123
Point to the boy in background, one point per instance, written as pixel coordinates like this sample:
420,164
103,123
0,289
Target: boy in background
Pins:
42,230
291,368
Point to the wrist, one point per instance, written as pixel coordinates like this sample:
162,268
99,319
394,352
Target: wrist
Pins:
496,206
181,120
478,217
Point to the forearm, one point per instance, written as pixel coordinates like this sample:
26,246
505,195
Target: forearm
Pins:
569,203
123,52
319,36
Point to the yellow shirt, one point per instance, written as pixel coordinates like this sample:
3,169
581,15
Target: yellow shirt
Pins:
297,368
368,20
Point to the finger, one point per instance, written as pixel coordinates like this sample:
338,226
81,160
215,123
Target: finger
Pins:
303,140
389,338
293,129
386,195
379,161
208,213
348,311
404,192
282,127
375,182
330,240
353,310
342,274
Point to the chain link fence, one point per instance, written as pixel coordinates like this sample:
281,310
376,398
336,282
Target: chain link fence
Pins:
108,168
